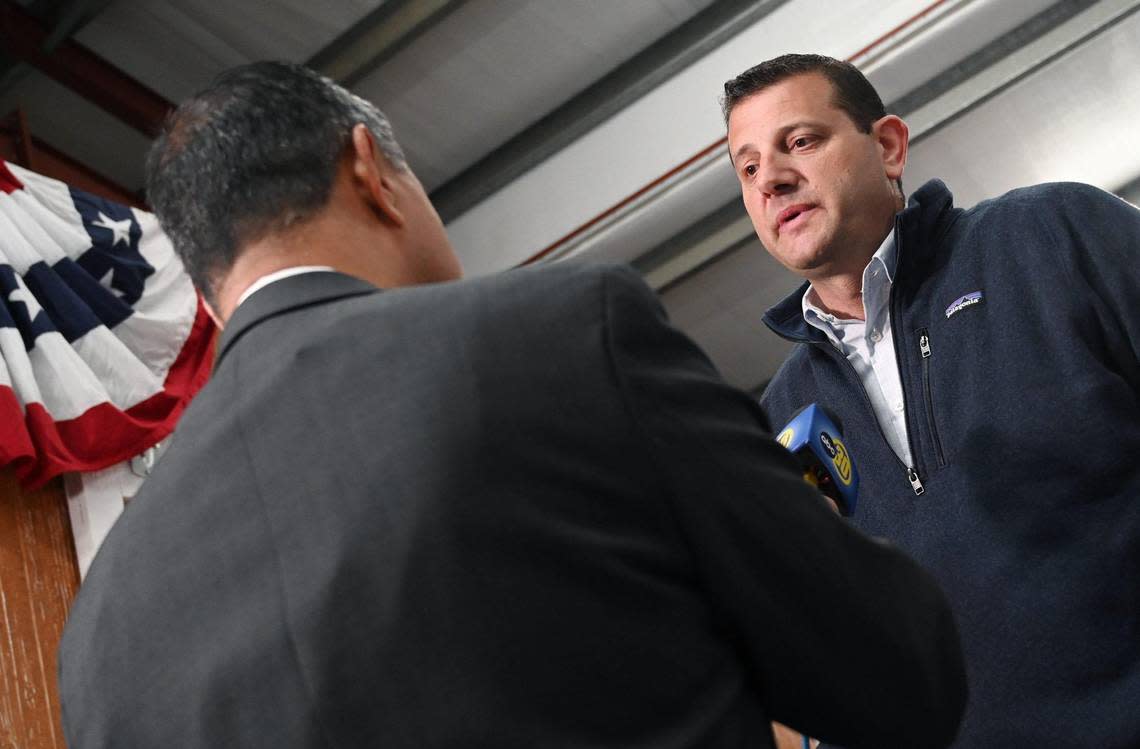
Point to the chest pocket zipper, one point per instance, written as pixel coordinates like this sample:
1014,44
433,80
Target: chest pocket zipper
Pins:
928,400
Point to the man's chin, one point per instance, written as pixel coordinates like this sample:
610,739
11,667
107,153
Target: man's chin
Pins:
803,261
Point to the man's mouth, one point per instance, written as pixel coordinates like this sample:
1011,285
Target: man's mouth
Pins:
790,215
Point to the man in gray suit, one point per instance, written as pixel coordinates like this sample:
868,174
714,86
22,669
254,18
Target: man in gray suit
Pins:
519,511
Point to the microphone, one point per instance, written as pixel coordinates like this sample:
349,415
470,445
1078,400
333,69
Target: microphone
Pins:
813,437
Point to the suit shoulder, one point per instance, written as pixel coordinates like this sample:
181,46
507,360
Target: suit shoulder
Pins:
560,286
570,278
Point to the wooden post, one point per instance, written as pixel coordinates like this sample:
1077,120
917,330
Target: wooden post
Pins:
16,127
38,580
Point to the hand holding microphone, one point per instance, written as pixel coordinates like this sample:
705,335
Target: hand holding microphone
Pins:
813,436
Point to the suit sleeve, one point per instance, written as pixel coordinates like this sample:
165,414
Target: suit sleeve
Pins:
847,638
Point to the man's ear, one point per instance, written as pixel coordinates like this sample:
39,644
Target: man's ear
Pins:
373,177
893,138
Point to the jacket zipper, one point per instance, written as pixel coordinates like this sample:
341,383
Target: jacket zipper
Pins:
924,349
911,471
915,482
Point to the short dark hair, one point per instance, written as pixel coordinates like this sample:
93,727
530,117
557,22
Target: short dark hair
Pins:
853,93
254,153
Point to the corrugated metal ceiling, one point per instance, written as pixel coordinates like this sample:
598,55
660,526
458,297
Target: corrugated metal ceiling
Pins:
482,72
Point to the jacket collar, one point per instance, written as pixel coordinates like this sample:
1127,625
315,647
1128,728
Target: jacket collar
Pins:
918,227
288,294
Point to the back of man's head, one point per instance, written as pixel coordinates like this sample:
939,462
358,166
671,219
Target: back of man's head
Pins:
851,90
251,155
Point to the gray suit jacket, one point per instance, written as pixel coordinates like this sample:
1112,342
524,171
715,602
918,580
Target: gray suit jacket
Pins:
520,511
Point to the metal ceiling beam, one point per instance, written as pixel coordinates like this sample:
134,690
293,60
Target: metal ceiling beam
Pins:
691,250
989,56
373,40
65,17
25,38
12,69
622,86
70,17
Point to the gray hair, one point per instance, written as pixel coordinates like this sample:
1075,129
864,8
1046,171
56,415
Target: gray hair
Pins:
251,155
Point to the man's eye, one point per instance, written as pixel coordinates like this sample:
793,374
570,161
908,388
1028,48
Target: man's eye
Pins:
801,142
750,170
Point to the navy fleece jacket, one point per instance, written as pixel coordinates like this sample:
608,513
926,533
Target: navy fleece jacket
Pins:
1017,332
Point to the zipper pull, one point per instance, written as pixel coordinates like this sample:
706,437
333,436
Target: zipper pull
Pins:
924,345
915,482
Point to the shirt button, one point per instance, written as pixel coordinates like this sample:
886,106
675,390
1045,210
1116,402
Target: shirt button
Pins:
899,406
876,336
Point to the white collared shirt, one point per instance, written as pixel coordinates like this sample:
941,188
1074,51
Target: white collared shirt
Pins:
869,345
269,278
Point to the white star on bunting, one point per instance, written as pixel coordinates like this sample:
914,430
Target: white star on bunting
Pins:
24,297
121,229
105,281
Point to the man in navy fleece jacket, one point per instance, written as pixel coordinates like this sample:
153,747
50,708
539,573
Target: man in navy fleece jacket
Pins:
985,366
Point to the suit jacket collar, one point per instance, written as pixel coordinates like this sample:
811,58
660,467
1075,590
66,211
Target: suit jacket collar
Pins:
285,295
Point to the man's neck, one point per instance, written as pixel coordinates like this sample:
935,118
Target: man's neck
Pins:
841,296
840,293
329,240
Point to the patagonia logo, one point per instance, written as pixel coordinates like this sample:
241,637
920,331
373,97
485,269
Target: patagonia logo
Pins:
962,303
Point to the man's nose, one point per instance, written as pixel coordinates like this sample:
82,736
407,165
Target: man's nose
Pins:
777,177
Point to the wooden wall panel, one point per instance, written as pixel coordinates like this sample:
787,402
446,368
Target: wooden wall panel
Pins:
38,580
39,575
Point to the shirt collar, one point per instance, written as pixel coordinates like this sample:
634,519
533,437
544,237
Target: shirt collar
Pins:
886,258
269,278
